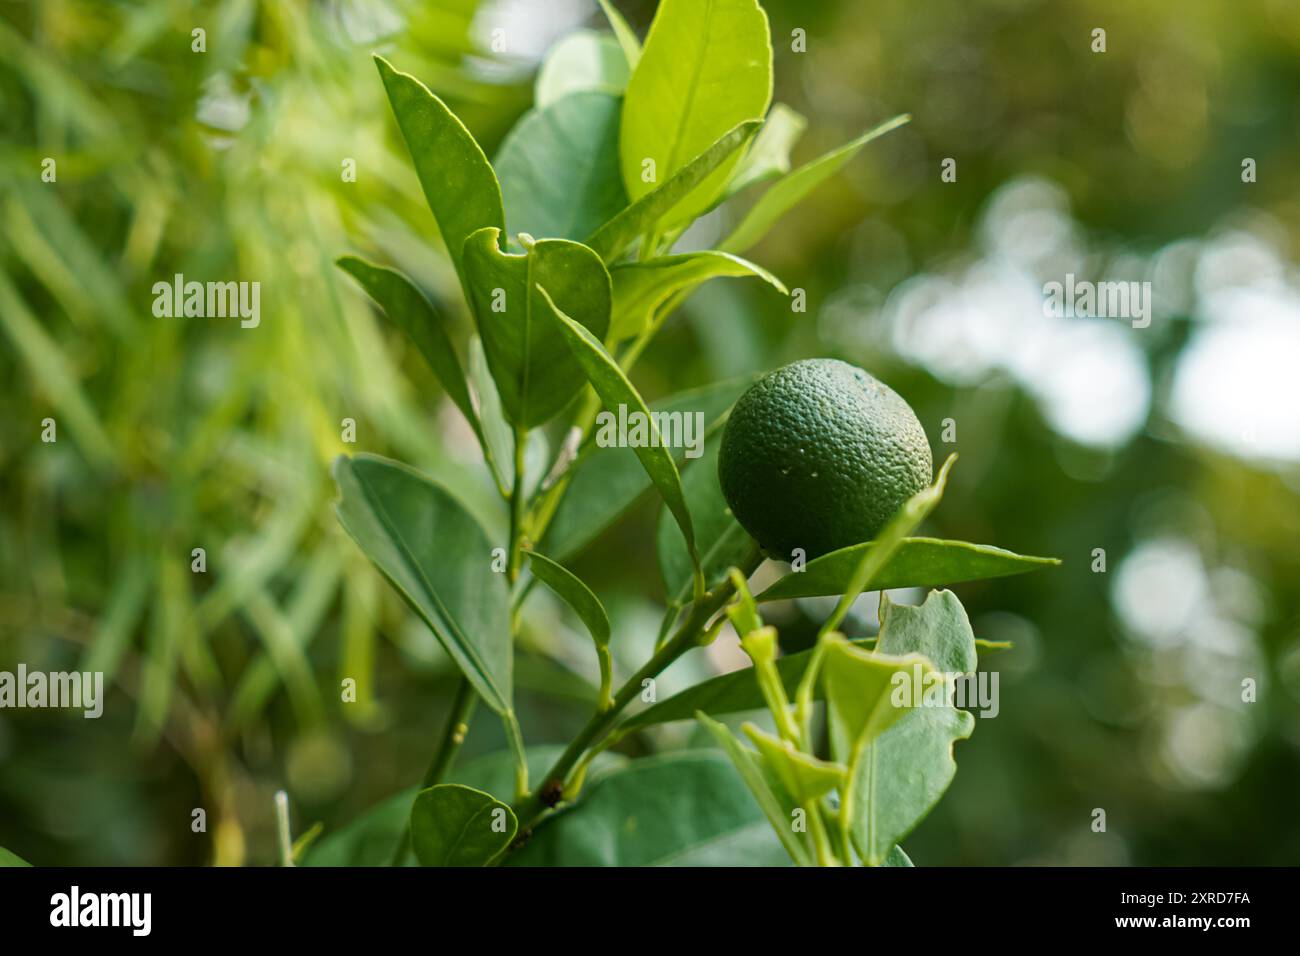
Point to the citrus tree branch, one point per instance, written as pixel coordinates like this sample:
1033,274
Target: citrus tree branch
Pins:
686,636
453,735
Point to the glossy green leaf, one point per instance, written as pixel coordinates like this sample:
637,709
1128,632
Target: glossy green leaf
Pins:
641,287
487,403
627,40
607,482
917,562
614,389
559,167
688,808
613,237
859,688
439,560
706,66
455,825
722,542
408,309
8,859
804,776
574,592
725,694
904,772
790,189
458,182
582,61
872,562
535,372
775,802
768,155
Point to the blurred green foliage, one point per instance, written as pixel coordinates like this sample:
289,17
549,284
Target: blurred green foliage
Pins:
1123,691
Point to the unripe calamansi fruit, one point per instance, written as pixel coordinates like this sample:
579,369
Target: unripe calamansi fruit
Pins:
819,455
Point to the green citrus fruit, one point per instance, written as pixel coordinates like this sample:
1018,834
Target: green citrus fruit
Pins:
819,455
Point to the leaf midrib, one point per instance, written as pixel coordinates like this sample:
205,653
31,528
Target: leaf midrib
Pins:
691,91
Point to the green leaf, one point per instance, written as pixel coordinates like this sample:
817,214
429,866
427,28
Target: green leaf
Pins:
535,372
575,593
804,776
487,403
616,235
607,482
725,694
786,192
8,859
775,802
898,858
768,155
439,560
614,390
706,66
583,61
559,167
722,542
677,809
411,312
458,181
858,686
902,775
918,562
455,825
623,33
641,287
904,522
904,772
938,628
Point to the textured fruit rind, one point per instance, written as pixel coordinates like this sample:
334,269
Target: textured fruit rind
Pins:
818,455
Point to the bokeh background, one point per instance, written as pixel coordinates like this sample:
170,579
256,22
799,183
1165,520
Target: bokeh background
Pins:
1174,448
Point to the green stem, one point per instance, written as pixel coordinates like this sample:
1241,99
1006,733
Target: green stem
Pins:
516,740
453,735
545,502
820,838
601,722
606,698
649,245
283,833
518,500
843,824
517,506
803,697
665,627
